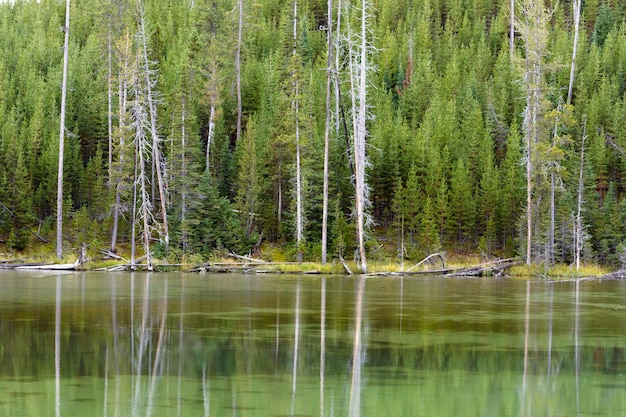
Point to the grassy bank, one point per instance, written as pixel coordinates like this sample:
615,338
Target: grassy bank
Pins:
274,260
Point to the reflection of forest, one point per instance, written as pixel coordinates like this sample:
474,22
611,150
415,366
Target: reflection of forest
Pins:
152,328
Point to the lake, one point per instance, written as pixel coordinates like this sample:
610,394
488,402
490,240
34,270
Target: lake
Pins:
99,344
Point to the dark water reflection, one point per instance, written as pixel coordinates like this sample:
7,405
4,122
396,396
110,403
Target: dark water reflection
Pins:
228,345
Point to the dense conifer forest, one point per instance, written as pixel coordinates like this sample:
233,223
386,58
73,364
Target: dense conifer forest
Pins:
196,127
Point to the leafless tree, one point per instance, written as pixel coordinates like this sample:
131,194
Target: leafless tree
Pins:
572,75
66,29
150,82
329,77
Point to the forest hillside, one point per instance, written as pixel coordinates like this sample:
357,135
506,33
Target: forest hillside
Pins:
195,127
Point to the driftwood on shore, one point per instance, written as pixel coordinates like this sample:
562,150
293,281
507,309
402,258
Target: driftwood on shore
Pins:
617,275
496,268
247,268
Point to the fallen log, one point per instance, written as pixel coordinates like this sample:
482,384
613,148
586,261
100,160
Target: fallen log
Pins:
246,258
49,267
112,255
497,269
617,275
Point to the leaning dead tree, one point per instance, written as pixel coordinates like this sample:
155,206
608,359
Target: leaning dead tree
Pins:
572,75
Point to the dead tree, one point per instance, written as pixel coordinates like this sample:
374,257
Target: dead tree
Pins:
149,83
572,75
329,73
66,29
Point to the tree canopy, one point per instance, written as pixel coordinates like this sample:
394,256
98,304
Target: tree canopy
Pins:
454,119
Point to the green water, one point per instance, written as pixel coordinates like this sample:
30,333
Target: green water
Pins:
97,344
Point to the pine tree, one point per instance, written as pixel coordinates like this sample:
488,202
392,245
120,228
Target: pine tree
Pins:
248,188
462,207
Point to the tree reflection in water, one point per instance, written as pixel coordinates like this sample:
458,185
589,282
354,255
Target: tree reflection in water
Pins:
176,345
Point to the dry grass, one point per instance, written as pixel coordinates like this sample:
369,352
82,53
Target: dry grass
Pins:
560,271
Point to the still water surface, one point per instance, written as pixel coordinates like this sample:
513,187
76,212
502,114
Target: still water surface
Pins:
93,344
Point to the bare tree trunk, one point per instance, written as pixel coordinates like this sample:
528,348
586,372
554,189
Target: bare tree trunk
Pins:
329,73
66,29
360,135
578,236
142,148
210,136
145,202
535,34
572,74
336,69
550,254
124,77
109,90
133,227
153,129
238,70
296,106
183,203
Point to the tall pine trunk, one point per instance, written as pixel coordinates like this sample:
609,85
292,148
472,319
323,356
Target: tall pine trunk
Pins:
109,90
329,73
578,236
238,70
296,107
66,29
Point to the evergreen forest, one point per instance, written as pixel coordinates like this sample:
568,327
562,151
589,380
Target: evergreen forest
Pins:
326,128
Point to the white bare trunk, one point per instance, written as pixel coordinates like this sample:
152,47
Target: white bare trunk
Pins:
66,29
133,227
238,70
535,34
156,154
210,137
572,74
578,235
329,31
141,193
145,205
184,174
360,134
109,91
124,78
296,107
